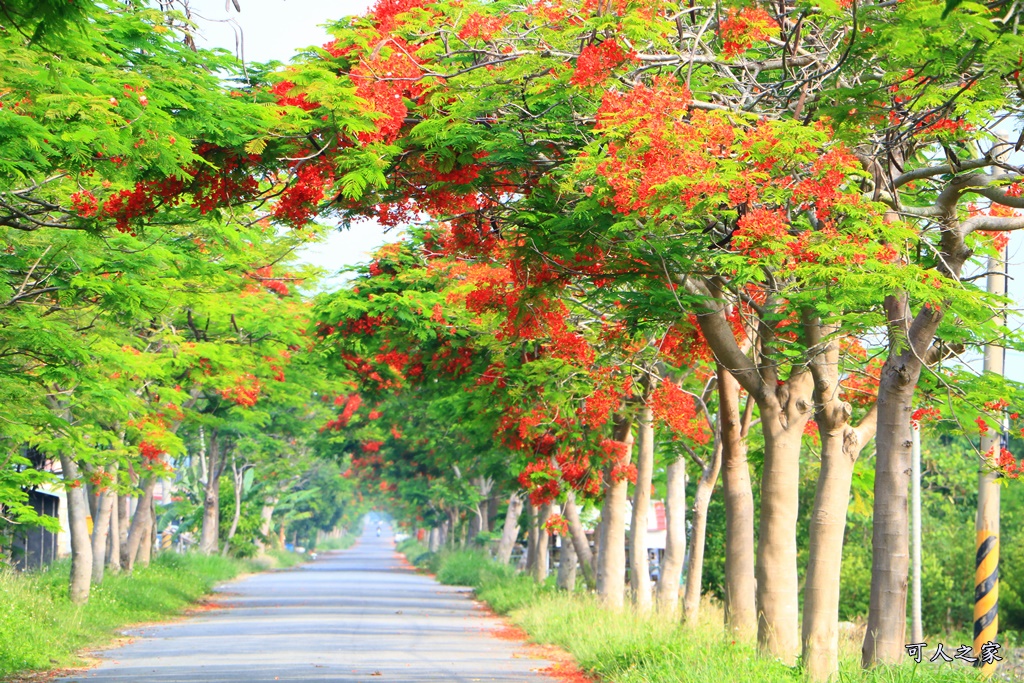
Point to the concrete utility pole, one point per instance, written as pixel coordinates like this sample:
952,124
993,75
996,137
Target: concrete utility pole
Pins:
986,525
916,630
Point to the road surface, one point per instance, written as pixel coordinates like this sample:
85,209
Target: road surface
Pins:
354,615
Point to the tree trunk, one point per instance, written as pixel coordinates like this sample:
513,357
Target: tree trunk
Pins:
100,533
146,546
531,536
210,535
695,568
612,581
578,538
78,527
841,445
123,522
239,479
567,566
266,518
541,560
740,607
675,537
139,527
890,540
113,550
778,632
599,544
510,532
639,566
434,539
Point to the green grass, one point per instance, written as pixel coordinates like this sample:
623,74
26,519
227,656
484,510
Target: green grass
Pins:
40,629
627,648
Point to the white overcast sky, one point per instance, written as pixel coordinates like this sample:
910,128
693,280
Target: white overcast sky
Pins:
275,29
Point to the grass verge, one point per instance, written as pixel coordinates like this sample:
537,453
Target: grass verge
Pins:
630,648
40,629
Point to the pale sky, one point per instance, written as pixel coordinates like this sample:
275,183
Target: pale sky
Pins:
275,30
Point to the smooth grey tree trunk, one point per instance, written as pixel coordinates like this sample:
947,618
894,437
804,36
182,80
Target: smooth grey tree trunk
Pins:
675,538
578,539
101,532
510,531
567,561
78,527
612,581
541,559
113,549
695,568
139,526
639,566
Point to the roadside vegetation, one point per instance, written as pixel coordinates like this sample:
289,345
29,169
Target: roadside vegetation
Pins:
631,648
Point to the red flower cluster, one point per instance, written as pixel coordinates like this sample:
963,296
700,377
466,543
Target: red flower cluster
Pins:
150,452
300,201
678,410
1007,463
540,478
922,414
479,26
84,204
245,392
557,524
596,62
741,29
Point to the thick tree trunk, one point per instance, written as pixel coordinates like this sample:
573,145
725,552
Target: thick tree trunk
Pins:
510,531
434,539
78,527
101,532
890,541
612,581
541,559
675,538
695,569
139,526
578,538
639,567
778,632
740,606
567,566
841,445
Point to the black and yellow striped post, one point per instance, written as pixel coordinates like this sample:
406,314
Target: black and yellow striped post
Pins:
986,524
986,595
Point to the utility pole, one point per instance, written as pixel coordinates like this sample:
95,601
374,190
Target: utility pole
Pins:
986,525
916,630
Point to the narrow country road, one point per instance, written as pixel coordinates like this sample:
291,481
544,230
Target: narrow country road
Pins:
356,615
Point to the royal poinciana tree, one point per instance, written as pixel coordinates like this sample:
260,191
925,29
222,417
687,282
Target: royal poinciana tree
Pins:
148,213
808,167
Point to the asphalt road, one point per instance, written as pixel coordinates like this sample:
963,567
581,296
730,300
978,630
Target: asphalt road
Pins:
354,615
